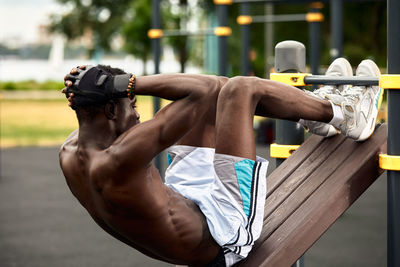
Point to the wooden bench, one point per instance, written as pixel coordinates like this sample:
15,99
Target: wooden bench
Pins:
310,190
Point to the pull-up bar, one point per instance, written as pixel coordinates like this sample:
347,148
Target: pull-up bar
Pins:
159,33
279,18
304,79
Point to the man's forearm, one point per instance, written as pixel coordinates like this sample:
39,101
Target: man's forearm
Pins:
178,86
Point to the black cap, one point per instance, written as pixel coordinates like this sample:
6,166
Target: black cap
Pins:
97,86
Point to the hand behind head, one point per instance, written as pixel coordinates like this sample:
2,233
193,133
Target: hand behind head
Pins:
69,80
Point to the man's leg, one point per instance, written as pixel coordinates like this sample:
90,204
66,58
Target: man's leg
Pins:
242,97
203,133
235,163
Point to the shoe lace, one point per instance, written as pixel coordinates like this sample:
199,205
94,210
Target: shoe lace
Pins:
327,89
353,93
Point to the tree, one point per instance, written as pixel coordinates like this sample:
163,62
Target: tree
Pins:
135,28
178,21
101,17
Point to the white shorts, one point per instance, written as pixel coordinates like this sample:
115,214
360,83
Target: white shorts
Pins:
229,190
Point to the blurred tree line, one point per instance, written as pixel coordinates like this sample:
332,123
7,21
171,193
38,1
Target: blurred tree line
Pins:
364,29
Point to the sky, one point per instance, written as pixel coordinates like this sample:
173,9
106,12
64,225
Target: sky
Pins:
21,18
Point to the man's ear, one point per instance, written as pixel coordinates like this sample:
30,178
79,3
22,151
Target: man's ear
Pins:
109,110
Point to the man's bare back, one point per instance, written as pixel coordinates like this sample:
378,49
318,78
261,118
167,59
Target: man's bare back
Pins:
136,207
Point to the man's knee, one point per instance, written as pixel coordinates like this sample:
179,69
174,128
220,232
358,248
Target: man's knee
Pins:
239,87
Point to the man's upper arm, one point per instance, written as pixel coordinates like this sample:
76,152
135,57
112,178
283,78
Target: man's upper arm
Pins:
140,144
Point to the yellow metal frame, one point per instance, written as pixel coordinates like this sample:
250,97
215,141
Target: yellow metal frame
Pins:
388,162
314,17
223,2
318,5
282,151
389,81
155,33
294,79
244,20
222,31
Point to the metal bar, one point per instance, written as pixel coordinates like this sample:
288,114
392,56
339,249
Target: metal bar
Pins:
223,41
315,43
269,42
336,28
245,36
322,79
315,46
393,198
168,33
279,18
156,47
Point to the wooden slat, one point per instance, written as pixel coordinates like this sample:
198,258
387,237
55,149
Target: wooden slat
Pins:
290,164
311,207
307,167
311,179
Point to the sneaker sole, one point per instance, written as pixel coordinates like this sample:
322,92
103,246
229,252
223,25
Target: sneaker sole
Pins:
368,131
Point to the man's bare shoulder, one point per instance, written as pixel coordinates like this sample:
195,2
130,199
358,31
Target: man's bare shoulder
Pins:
68,149
70,142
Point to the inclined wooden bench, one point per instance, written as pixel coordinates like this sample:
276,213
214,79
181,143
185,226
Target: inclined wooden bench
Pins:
310,190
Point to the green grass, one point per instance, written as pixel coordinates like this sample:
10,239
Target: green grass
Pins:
31,85
45,122
17,135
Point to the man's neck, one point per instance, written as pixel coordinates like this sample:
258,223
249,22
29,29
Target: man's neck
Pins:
97,134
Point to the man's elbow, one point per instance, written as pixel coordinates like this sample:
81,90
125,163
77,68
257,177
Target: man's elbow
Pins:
216,85
222,80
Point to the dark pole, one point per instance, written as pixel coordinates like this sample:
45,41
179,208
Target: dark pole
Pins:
269,40
337,28
393,220
244,20
315,18
155,42
222,40
290,56
156,47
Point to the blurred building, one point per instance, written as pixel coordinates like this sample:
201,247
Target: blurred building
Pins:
46,37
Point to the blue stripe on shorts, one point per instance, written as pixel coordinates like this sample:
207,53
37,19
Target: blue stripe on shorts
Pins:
244,173
169,159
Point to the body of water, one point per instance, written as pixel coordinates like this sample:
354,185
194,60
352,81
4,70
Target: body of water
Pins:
41,70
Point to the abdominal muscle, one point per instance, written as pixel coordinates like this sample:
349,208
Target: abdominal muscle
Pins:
176,231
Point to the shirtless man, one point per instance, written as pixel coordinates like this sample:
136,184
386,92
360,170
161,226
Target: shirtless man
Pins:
210,209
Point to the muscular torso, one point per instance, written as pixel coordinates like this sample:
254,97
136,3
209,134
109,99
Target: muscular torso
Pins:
137,208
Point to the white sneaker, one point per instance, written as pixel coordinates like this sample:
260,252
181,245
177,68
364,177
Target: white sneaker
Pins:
319,128
360,104
339,67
